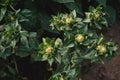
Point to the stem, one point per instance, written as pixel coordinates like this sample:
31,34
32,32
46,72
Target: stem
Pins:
2,4
15,63
12,8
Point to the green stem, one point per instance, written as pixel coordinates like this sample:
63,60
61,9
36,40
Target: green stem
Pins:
15,63
12,8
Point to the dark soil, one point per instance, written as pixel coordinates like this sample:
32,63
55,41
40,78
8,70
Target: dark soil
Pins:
110,70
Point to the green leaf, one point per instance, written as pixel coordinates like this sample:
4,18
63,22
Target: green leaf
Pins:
2,12
23,52
111,15
58,42
101,38
45,58
87,19
2,74
24,41
85,29
44,19
70,45
25,14
73,6
33,41
71,72
11,70
74,13
58,58
6,53
29,20
13,43
2,49
50,61
102,2
23,33
90,55
63,1
35,57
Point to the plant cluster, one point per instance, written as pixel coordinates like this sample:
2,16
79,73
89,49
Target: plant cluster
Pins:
77,36
80,41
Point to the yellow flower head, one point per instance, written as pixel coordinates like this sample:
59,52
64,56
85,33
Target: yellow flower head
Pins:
97,15
48,49
68,20
101,48
79,38
61,78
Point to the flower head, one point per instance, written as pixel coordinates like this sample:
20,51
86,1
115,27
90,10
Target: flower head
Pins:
101,48
48,49
97,15
79,38
68,20
61,78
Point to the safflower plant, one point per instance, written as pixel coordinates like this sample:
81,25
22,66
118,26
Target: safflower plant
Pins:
80,41
23,23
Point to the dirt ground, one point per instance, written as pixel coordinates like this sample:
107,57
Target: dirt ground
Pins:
110,70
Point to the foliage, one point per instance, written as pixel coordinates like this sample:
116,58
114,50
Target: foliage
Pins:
80,41
22,28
